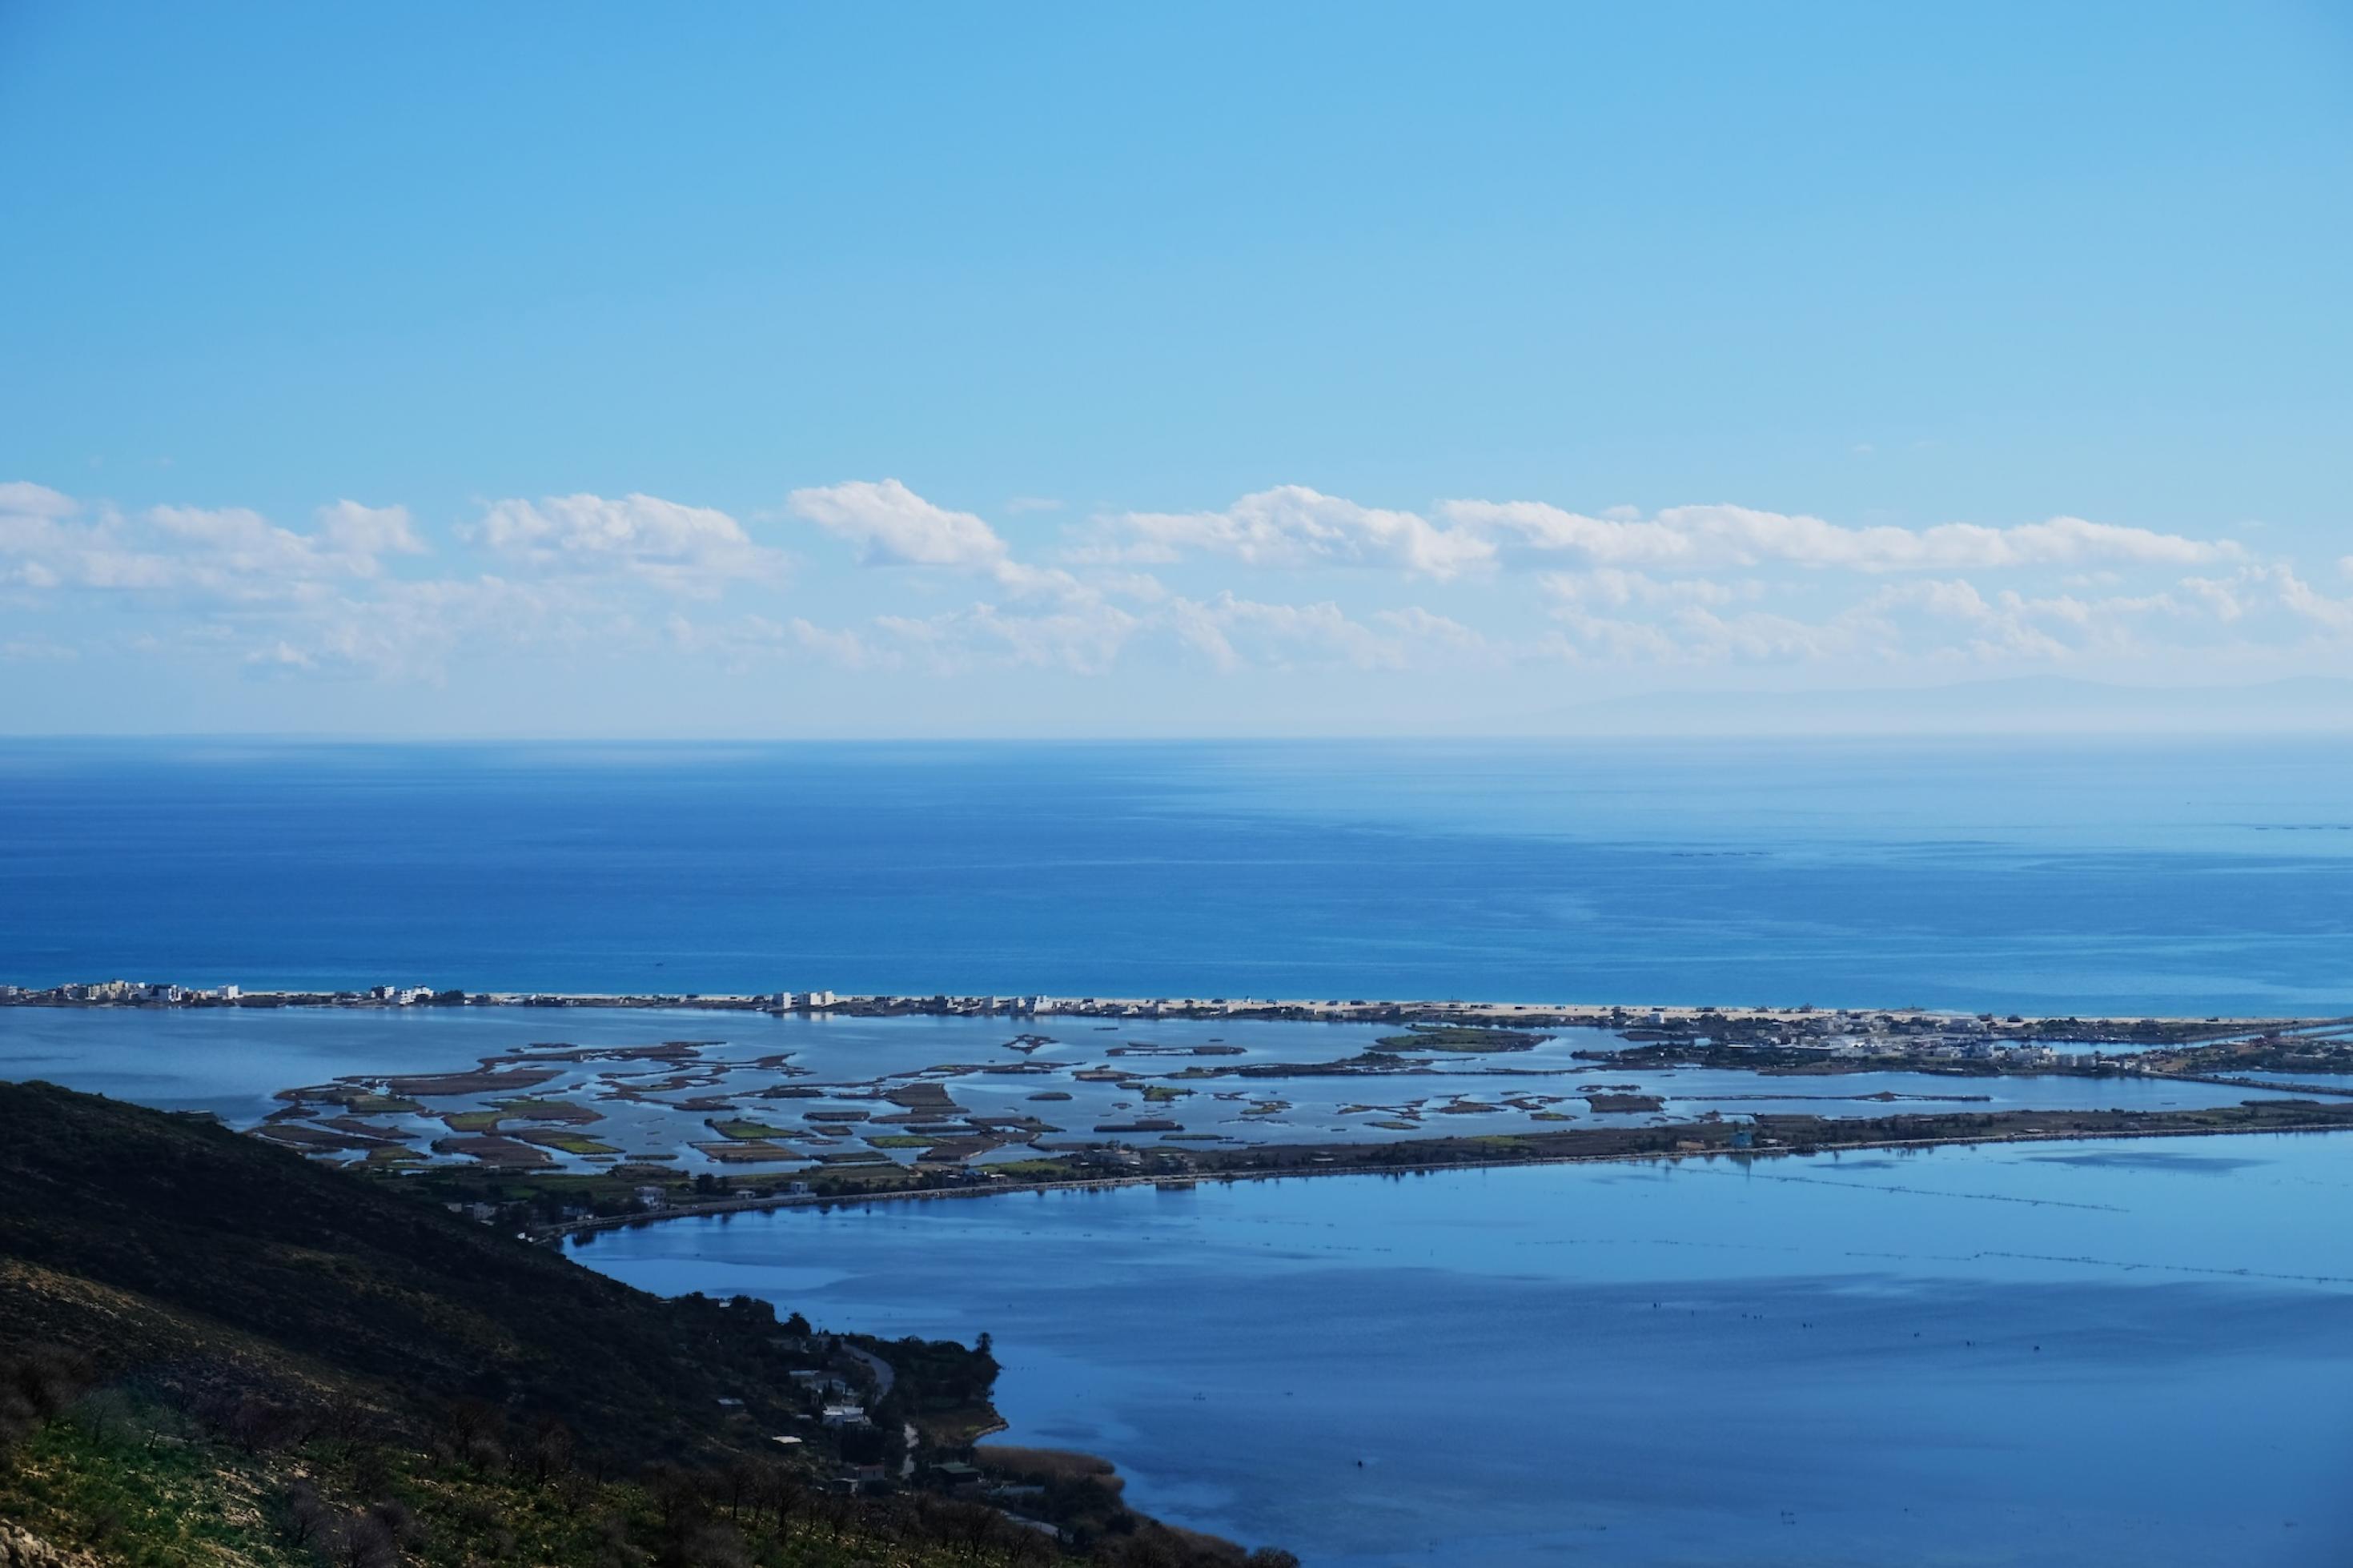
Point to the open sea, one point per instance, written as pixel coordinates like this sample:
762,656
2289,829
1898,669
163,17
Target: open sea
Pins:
2049,879
2107,1353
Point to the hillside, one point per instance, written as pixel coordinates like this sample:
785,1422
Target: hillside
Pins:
213,1351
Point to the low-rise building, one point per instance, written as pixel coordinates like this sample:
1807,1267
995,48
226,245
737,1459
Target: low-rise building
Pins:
958,1476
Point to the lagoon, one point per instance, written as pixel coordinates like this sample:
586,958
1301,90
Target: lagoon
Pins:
233,1061
2113,1352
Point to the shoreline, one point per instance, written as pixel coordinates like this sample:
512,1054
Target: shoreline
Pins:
1674,1019
572,1230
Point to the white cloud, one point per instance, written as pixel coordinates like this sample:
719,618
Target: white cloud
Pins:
2258,588
893,526
1613,586
1702,536
50,539
359,530
2263,595
357,592
845,648
1418,625
1935,620
21,499
1234,634
1292,525
685,549
221,544
414,630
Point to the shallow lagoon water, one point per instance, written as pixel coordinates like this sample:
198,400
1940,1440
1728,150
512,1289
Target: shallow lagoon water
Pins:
2104,1353
233,1062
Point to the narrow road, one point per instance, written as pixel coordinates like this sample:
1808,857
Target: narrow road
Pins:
883,1376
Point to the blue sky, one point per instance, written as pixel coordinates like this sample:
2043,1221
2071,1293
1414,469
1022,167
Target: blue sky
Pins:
1046,370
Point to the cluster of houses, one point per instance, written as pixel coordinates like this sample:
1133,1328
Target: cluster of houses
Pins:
1933,1047
159,993
127,992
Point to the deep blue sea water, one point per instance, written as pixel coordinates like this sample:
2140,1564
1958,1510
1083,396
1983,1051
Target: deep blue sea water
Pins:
2048,1355
2050,879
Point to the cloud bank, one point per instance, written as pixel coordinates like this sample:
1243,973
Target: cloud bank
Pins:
869,579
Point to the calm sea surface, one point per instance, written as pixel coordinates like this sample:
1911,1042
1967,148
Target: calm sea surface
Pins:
2129,1353
2052,879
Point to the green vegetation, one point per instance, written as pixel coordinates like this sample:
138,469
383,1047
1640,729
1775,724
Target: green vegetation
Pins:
750,1132
1457,1037
1033,1170
569,1142
1161,1093
473,1120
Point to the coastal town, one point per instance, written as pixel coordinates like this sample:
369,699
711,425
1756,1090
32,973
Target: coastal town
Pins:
1836,1032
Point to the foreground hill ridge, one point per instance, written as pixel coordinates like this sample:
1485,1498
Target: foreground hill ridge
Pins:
213,1351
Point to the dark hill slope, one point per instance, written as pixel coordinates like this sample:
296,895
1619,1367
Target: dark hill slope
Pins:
215,1351
217,1244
